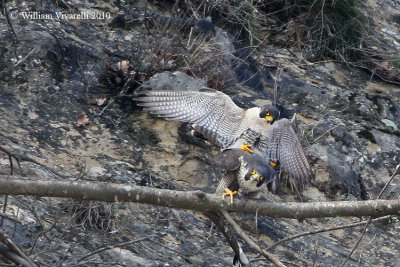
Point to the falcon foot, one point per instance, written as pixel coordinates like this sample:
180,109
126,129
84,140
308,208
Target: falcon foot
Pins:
230,193
272,163
247,148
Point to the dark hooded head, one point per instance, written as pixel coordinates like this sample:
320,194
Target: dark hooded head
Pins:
270,113
258,169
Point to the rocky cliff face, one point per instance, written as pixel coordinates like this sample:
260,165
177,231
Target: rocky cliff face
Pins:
52,70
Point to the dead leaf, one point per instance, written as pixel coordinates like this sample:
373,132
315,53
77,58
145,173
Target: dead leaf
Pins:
82,119
384,64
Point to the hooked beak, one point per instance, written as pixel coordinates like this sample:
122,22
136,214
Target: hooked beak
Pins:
256,177
270,119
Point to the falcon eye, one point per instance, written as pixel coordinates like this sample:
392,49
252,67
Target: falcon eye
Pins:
261,178
253,172
268,116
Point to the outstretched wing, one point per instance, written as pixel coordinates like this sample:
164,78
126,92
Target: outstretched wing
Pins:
285,146
215,114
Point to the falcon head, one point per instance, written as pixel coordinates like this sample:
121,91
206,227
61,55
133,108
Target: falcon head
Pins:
254,176
259,173
254,172
270,113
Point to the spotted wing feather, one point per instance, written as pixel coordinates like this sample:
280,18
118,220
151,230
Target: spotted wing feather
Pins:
285,146
214,112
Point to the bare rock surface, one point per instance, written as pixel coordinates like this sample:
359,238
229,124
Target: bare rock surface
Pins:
348,122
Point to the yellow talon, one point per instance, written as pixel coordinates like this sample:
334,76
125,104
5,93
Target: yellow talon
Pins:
230,193
247,148
272,163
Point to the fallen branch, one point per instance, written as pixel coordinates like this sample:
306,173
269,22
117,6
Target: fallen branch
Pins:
13,257
193,200
14,253
250,242
218,220
20,155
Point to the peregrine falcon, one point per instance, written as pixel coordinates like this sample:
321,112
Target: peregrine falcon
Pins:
228,126
244,171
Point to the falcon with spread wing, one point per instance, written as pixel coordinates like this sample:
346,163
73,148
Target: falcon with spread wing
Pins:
222,122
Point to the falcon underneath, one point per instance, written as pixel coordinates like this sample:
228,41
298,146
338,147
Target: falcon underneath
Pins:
244,171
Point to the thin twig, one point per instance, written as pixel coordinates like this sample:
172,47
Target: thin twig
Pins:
110,247
11,218
168,247
369,217
66,253
4,210
329,130
388,182
6,196
277,77
19,156
39,235
25,57
316,253
145,22
9,22
323,231
358,242
257,235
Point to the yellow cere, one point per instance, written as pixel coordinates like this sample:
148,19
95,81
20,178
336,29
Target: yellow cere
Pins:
269,118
